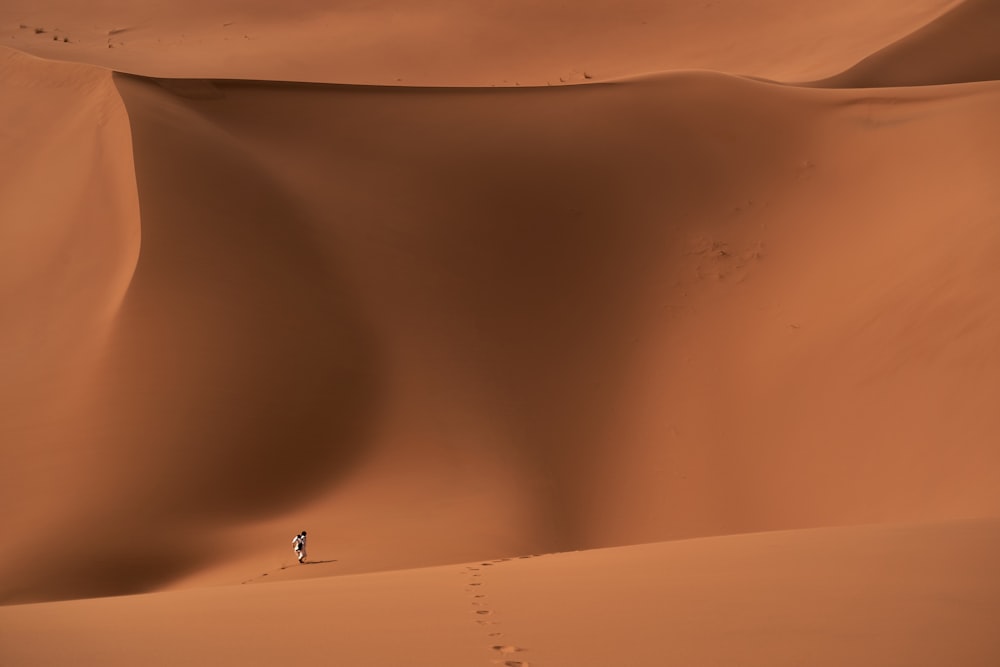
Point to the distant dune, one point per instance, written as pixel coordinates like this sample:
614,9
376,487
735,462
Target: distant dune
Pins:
570,280
959,47
477,43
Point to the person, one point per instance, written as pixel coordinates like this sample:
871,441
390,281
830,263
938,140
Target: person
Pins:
299,544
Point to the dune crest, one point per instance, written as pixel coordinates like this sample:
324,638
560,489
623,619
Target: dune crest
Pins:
475,43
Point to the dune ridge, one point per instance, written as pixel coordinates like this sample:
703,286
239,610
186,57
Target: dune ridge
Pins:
478,43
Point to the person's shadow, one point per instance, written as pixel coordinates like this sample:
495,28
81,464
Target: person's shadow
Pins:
317,562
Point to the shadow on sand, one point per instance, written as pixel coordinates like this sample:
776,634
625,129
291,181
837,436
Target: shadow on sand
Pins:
309,562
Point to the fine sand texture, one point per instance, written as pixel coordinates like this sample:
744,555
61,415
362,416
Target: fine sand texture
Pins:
914,595
632,333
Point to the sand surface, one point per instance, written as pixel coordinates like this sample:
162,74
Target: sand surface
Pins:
693,302
909,595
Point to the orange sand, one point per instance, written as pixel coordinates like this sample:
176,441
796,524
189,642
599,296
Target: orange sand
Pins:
697,299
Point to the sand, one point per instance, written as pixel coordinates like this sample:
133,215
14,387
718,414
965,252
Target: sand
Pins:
881,595
692,303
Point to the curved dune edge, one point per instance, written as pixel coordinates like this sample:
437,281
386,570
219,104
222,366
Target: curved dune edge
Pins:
69,241
961,46
60,98
862,595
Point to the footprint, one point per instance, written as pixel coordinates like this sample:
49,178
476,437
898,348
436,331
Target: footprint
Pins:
506,650
484,612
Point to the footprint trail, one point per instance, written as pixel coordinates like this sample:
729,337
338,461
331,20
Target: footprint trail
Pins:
485,616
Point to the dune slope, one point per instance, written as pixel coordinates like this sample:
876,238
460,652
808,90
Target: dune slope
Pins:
958,47
625,305
473,43
69,239
915,595
285,267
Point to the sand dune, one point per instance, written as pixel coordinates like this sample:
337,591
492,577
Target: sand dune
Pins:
874,595
958,47
435,316
478,43
299,306
70,240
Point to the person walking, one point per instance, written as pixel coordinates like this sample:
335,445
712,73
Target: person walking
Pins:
299,545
